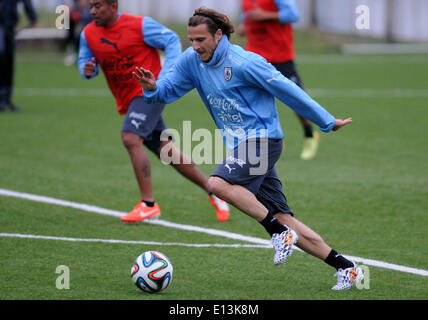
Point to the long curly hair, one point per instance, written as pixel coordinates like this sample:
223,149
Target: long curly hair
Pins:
213,19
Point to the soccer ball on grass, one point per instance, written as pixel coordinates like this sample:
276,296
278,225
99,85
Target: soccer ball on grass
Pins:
152,271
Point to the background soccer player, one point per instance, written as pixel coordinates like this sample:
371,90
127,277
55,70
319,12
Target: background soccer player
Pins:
118,42
267,25
9,17
222,72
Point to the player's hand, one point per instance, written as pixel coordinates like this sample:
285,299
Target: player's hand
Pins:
340,123
146,79
89,68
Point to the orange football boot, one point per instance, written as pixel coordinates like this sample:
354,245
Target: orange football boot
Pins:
221,208
141,212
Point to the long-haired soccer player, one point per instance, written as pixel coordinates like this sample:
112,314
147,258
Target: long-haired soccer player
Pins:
239,89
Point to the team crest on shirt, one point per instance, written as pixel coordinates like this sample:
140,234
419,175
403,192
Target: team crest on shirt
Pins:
227,73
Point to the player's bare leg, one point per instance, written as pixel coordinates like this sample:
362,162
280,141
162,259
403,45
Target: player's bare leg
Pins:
283,236
239,197
303,120
309,241
185,166
348,272
140,162
146,207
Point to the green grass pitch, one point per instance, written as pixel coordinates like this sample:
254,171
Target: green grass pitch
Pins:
365,193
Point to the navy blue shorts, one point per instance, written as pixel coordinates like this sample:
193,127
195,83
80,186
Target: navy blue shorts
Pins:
145,120
288,70
252,165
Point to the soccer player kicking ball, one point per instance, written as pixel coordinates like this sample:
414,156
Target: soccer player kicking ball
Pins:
118,42
239,89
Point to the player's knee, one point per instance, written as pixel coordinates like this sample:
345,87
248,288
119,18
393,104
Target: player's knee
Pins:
130,140
217,185
166,150
285,218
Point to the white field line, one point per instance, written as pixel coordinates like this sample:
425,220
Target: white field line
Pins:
314,92
63,92
337,59
114,213
152,243
263,243
368,93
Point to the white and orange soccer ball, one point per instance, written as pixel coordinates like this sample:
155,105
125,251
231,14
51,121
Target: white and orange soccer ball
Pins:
152,271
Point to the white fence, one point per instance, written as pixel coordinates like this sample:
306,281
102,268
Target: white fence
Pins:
163,10
392,19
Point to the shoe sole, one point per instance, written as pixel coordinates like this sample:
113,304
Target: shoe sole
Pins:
155,217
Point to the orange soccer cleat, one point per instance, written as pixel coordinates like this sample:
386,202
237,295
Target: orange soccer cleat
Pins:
141,212
221,208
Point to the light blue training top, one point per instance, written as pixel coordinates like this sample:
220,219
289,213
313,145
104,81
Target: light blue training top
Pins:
238,88
287,11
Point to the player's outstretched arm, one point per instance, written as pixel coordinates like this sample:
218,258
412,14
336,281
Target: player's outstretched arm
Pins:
146,79
340,123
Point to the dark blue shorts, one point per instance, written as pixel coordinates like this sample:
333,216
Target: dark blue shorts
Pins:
145,120
289,70
252,165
